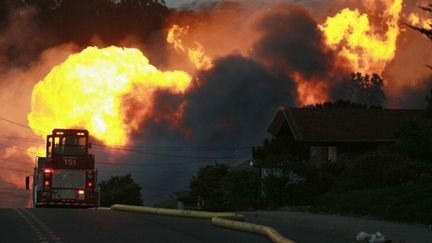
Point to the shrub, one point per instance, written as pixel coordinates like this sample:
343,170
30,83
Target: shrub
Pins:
208,186
242,189
381,168
409,203
120,189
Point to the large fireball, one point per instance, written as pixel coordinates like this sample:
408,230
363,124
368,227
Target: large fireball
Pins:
87,89
357,39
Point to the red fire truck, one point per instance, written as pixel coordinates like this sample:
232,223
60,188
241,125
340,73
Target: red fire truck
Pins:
66,177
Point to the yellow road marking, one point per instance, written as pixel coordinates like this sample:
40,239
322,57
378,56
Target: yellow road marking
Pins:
42,231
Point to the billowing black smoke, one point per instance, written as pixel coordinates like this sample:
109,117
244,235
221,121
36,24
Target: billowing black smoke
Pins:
291,42
234,101
415,97
227,112
29,27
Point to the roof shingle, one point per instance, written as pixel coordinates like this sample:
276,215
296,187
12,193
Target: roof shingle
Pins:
344,125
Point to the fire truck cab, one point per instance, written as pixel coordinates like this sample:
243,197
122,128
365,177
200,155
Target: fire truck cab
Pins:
66,177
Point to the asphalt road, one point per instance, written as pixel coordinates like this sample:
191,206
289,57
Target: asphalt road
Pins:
82,225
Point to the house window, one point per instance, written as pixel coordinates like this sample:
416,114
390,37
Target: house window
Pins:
331,153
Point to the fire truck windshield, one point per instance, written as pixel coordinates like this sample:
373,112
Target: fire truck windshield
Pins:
69,145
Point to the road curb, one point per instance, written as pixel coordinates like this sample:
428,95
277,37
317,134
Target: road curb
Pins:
176,212
271,233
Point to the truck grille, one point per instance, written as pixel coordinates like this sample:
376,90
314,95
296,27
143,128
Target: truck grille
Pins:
68,179
63,194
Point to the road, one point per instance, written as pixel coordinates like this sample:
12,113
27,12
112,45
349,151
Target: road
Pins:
83,225
309,227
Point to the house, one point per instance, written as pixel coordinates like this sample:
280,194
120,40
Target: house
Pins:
242,164
184,200
179,200
329,132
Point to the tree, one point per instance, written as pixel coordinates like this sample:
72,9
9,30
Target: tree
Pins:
429,104
208,186
274,188
359,91
414,140
425,31
120,189
339,104
367,89
242,189
220,187
381,168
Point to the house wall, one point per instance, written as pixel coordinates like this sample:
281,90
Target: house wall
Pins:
320,154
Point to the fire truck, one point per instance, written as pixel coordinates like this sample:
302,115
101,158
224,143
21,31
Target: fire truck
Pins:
66,177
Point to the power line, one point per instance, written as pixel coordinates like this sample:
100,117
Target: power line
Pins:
127,148
177,148
14,147
21,125
27,139
9,183
10,201
12,161
16,170
163,155
12,194
154,164
205,147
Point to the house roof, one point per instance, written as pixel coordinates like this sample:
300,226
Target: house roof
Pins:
326,125
180,195
242,164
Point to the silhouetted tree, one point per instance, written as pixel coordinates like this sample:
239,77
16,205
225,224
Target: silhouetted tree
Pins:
242,189
380,168
429,104
207,186
221,187
425,31
120,189
358,91
414,139
367,89
339,104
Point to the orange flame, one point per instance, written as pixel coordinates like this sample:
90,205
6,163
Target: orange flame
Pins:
417,20
351,34
87,90
310,92
196,54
